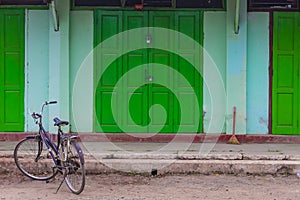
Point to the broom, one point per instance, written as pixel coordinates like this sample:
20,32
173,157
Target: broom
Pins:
233,139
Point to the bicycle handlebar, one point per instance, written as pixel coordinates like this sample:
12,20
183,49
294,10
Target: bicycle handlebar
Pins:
51,102
39,115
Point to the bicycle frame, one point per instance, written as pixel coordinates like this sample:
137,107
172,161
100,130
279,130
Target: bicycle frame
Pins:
48,141
45,136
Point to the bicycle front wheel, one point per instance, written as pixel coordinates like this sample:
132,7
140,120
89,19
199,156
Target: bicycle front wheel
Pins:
75,177
34,160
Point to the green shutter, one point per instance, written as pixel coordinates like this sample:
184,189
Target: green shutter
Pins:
189,23
135,111
285,94
107,25
160,94
12,70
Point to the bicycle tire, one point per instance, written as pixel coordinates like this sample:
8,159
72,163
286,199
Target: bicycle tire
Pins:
75,177
34,160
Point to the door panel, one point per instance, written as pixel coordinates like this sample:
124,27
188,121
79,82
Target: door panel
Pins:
188,24
107,24
135,115
285,76
12,70
161,94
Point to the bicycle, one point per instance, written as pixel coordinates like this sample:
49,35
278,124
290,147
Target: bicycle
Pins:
40,158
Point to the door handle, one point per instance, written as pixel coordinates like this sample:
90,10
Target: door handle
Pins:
148,39
150,78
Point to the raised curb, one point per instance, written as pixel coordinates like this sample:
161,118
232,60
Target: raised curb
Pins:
195,156
173,164
180,156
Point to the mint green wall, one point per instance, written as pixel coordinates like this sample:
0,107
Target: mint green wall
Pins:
56,60
236,67
47,68
81,67
214,28
64,53
53,73
36,64
229,51
243,65
59,64
63,8
257,72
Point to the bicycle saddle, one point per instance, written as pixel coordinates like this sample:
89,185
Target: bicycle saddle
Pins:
58,122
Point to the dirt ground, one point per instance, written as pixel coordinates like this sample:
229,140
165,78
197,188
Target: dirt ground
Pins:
136,187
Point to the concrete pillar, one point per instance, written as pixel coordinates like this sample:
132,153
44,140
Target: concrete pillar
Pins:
37,66
81,68
59,63
215,47
54,82
236,66
63,8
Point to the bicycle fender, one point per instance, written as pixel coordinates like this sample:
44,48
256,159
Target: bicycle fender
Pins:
77,146
33,137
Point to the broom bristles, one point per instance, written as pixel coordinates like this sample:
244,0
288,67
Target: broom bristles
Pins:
233,140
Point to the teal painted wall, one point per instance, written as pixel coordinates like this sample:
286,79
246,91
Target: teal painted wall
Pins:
56,59
214,28
53,72
257,72
236,67
47,70
81,67
36,64
63,8
249,58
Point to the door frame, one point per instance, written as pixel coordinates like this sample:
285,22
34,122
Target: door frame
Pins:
271,28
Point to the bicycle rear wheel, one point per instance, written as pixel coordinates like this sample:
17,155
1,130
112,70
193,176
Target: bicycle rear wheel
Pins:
34,160
75,177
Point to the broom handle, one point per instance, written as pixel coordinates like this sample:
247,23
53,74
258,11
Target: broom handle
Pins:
234,116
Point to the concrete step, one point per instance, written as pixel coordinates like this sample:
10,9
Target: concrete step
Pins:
155,166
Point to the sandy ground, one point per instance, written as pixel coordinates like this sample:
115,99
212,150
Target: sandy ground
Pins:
136,187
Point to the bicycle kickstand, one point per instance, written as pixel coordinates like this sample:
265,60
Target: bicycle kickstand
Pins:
65,174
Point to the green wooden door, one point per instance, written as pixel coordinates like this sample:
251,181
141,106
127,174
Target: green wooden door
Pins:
142,88
12,70
285,89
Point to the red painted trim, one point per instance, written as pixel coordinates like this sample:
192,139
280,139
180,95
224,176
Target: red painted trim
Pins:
271,19
14,136
165,138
